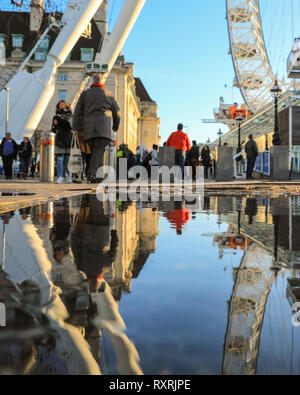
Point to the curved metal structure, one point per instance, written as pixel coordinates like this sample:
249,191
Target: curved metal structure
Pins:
254,75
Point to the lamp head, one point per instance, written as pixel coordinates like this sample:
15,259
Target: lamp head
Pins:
239,119
276,91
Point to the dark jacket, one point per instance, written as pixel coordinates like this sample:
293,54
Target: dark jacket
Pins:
25,150
60,232
206,159
193,153
15,153
62,130
251,149
94,244
99,112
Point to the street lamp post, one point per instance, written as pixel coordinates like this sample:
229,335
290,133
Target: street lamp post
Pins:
267,143
220,134
7,109
276,92
239,119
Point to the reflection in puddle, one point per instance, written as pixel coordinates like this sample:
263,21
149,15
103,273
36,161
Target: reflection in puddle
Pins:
132,288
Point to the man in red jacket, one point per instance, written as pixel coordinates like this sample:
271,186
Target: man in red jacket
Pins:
181,142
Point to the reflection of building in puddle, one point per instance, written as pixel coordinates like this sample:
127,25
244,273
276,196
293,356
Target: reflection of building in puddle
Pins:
74,243
137,231
147,229
65,255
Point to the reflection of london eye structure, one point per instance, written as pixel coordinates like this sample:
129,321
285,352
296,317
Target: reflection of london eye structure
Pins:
253,282
253,70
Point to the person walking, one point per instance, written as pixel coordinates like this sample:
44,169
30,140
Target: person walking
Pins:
206,160
99,112
25,154
252,153
181,142
146,158
154,156
63,139
193,158
8,152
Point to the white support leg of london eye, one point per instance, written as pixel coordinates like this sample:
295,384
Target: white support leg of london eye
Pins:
32,92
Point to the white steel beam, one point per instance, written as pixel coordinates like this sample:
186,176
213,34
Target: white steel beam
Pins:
31,93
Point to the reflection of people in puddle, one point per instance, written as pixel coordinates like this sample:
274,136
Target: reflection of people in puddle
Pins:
7,216
179,217
65,328
94,244
206,205
60,232
25,212
251,209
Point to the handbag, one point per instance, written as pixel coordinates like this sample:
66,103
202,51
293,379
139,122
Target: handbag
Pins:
75,164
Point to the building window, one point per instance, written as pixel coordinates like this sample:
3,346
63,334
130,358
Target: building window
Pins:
62,95
87,54
2,38
40,54
58,278
45,43
63,77
17,40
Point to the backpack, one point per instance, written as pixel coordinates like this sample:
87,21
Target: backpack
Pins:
148,158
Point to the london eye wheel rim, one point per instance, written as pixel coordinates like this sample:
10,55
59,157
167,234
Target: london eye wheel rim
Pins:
254,79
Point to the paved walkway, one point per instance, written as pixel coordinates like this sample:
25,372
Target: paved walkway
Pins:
17,194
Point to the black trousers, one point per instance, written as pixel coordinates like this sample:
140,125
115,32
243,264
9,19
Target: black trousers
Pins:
97,147
7,165
250,166
206,169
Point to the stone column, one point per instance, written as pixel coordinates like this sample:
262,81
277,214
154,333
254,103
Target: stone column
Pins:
280,163
166,157
224,170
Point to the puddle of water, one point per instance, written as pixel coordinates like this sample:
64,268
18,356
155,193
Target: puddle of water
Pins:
159,289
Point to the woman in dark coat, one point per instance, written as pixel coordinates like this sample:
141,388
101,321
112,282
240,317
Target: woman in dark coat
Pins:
25,153
63,139
206,160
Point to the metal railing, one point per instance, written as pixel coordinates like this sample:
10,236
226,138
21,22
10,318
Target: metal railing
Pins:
263,163
240,166
296,159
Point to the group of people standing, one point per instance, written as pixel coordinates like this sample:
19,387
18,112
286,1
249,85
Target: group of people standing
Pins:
187,154
10,151
143,157
96,113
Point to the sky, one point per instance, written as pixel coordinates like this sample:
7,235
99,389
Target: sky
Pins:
180,51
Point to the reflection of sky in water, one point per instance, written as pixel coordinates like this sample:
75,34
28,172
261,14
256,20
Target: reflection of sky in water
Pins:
177,313
180,299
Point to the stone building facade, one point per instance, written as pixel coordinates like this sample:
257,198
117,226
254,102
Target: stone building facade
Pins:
17,40
148,123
